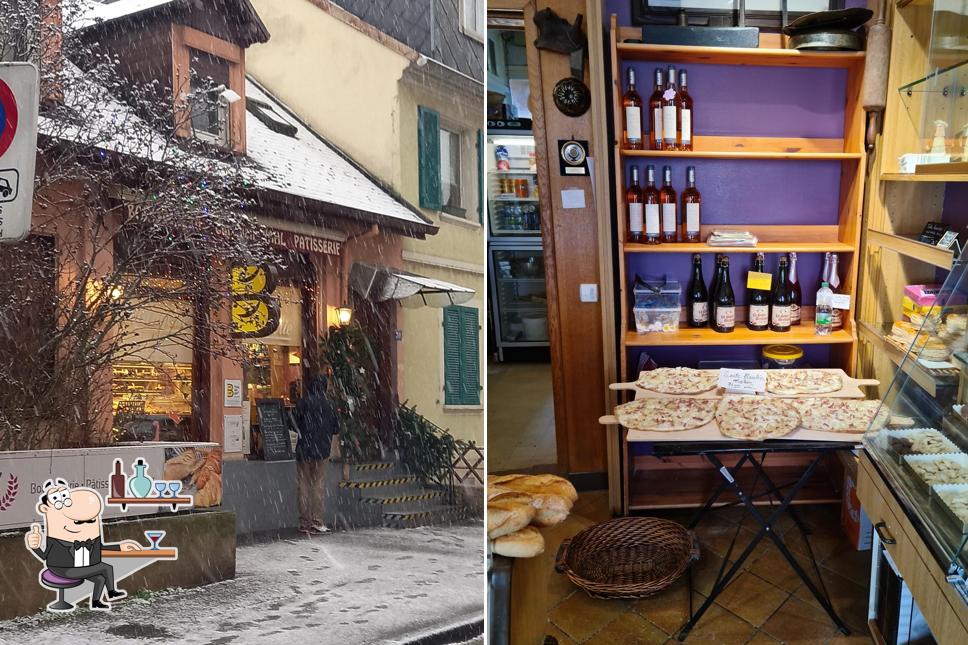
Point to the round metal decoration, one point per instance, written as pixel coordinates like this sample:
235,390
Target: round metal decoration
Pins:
572,97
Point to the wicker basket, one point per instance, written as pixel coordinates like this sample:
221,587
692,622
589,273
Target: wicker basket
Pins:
629,557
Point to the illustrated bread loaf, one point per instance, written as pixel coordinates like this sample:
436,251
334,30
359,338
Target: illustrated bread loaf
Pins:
508,513
525,543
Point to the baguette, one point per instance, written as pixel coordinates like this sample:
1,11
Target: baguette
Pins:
525,543
509,513
536,484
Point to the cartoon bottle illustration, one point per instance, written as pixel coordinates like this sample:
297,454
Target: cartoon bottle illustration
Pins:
140,484
117,480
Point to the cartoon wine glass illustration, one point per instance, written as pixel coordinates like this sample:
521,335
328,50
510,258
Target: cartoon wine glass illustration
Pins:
174,486
155,537
160,486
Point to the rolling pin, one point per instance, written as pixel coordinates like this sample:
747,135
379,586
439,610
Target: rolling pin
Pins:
874,90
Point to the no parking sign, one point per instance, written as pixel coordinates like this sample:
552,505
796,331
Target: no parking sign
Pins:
18,148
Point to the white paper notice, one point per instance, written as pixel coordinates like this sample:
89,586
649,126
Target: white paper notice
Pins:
573,198
742,381
840,301
232,426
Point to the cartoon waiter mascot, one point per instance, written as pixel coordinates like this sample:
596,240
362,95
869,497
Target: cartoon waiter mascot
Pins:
72,525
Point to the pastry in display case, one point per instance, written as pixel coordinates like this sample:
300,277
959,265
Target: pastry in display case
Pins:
151,388
926,463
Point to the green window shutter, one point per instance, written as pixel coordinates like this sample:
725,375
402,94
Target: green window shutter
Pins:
428,150
480,177
470,357
452,356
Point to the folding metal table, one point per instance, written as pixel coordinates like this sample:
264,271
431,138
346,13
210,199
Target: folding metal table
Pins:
755,454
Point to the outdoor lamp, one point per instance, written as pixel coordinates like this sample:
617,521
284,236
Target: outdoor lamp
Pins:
344,315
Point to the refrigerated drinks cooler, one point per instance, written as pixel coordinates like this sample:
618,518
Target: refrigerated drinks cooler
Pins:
512,203
519,306
518,298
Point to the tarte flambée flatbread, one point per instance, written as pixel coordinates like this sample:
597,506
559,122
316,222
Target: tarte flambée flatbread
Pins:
840,415
666,415
678,380
749,418
796,382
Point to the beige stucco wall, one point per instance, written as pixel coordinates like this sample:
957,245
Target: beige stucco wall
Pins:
361,92
340,81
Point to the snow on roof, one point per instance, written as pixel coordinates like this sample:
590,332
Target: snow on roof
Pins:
303,166
307,166
99,12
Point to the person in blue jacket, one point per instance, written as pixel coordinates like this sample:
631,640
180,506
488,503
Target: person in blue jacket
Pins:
317,425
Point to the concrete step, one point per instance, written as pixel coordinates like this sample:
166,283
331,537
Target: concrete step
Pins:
418,499
430,516
375,470
375,485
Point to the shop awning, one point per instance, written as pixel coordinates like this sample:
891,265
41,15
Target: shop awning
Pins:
380,283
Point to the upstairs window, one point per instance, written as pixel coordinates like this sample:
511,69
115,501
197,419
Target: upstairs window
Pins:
473,18
207,96
450,171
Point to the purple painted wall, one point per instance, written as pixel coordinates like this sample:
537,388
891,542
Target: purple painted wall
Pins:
759,101
754,191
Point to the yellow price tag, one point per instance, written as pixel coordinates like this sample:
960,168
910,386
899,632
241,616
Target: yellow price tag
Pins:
759,281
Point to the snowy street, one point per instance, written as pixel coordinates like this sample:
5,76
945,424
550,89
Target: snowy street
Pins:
369,586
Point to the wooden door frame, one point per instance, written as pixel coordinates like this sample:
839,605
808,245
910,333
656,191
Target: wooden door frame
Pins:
600,182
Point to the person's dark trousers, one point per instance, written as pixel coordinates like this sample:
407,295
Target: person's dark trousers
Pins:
100,574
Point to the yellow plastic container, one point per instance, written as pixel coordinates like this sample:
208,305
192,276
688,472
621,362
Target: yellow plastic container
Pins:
782,356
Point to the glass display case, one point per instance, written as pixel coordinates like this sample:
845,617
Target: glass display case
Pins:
518,296
923,451
937,100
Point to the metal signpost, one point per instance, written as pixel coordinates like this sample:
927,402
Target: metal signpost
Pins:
18,148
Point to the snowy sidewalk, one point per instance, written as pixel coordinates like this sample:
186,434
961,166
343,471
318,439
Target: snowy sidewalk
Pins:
369,586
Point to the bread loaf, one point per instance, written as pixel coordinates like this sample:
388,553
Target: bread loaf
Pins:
509,513
536,484
551,509
525,543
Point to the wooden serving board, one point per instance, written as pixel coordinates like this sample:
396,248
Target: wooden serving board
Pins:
710,432
850,390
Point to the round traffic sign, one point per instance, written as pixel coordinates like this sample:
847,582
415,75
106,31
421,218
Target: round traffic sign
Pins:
8,117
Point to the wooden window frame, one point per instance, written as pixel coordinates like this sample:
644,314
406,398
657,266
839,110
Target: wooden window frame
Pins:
184,39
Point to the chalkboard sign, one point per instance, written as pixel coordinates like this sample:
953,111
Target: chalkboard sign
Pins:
274,429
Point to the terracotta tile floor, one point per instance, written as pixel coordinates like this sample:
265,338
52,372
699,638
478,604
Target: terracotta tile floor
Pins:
765,603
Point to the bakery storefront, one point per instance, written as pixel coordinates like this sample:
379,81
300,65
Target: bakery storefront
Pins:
775,448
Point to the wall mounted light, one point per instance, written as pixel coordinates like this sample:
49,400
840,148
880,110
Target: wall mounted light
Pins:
344,315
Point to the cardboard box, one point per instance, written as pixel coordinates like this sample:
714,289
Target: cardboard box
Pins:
856,524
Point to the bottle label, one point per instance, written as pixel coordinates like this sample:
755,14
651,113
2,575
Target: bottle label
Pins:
633,123
635,218
836,320
781,315
794,314
686,121
700,312
657,124
760,315
652,219
692,218
669,123
725,316
668,218
822,318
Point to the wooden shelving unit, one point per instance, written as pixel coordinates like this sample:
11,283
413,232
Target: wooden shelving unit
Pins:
928,178
644,484
898,207
909,246
760,56
842,238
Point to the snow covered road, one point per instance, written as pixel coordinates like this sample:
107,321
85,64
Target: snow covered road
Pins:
361,587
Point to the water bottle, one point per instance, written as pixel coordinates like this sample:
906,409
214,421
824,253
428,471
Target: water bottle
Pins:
824,317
